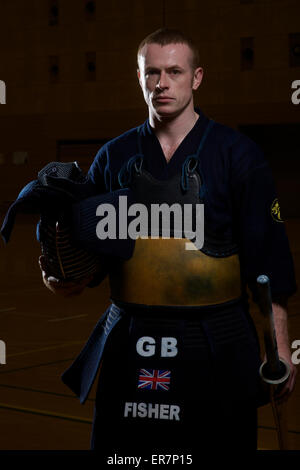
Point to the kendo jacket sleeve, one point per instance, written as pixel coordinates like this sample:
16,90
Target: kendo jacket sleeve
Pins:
259,224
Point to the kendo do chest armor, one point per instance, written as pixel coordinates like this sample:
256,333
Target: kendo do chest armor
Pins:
162,271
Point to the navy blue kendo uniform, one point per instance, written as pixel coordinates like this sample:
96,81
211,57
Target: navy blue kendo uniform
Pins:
180,351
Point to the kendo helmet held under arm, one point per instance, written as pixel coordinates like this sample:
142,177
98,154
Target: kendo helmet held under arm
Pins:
72,249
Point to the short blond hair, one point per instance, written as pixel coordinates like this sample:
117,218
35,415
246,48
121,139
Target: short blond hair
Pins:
165,36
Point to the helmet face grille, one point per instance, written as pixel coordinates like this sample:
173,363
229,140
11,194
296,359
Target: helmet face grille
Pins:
65,260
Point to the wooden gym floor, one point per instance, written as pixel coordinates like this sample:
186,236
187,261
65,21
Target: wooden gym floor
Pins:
43,333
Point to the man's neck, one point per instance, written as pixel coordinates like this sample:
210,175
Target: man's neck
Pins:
172,129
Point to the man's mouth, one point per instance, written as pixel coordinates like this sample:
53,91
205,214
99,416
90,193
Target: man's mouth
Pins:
163,99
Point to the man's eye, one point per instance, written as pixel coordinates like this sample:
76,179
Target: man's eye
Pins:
175,72
151,72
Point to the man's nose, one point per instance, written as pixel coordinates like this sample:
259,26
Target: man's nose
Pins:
162,83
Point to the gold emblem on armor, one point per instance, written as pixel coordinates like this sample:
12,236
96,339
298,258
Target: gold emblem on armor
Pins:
275,211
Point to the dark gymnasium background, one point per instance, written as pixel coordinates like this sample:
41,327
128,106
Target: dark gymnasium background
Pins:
69,67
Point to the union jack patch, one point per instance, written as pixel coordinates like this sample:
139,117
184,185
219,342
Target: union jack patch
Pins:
153,379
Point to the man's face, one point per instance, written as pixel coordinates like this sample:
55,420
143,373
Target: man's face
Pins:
167,78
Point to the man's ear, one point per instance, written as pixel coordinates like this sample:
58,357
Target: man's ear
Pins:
197,79
139,76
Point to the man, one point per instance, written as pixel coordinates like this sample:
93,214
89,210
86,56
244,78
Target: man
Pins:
180,369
